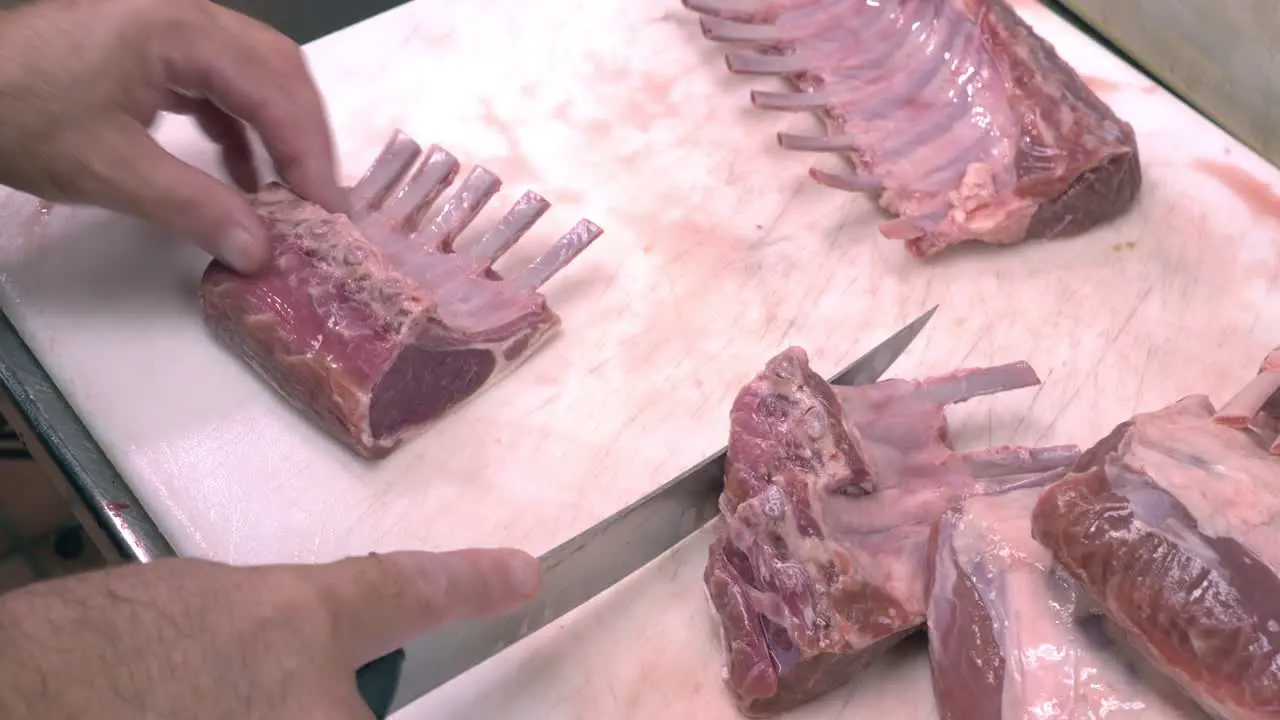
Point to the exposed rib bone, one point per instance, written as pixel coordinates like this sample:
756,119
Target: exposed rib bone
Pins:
850,183
817,143
729,9
718,30
519,219
1018,460
1240,410
462,207
969,383
747,62
384,174
553,260
790,101
434,174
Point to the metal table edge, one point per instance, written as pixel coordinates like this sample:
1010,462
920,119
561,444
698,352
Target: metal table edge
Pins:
60,432
64,438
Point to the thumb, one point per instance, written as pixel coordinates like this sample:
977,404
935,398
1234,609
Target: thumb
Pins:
129,172
380,602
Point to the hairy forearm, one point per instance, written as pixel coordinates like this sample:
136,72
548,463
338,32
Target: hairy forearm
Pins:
24,682
22,102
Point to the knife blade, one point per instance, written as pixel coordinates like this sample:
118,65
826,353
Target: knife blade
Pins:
595,560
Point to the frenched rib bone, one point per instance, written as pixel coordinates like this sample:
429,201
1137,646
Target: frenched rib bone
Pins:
821,565
965,123
375,324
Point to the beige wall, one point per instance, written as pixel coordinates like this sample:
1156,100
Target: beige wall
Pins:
303,20
1222,55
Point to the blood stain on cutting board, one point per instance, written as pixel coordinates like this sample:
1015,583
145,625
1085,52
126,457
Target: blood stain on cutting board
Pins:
1101,85
1106,86
1255,194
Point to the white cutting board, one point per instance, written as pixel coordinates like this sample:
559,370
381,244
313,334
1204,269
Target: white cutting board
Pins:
719,251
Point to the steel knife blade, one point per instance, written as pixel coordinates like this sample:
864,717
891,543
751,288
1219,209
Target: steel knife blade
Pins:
613,549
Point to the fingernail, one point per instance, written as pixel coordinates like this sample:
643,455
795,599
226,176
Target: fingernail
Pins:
240,249
525,573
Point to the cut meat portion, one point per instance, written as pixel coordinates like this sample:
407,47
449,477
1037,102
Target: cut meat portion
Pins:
1172,525
965,123
373,325
1010,637
820,565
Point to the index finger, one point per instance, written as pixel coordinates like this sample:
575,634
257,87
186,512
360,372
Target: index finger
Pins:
381,602
260,76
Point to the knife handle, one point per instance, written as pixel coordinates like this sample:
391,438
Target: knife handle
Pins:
377,681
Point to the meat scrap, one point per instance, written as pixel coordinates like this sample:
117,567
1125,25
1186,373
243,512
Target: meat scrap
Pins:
374,324
1011,637
965,123
1172,525
820,564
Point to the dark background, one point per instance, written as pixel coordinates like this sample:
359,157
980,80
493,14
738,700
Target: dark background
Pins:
306,20
302,20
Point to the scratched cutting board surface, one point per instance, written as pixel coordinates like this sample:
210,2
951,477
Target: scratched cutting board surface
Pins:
719,251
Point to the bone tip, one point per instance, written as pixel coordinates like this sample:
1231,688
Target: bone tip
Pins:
480,173
400,141
1026,373
1232,420
820,176
438,154
587,231
530,197
708,27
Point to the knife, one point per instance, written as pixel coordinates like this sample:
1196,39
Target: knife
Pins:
590,563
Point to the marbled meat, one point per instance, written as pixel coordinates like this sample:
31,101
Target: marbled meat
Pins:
1011,637
820,564
372,324
1171,524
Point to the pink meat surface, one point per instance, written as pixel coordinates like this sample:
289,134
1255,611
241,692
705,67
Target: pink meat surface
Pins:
1171,524
821,563
374,325
964,122
1012,638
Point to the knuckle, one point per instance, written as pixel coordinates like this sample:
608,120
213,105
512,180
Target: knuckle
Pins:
402,588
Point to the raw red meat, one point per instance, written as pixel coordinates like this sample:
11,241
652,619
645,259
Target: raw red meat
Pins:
820,565
965,123
373,325
1172,525
1011,637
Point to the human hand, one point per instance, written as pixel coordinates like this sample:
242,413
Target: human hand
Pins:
192,639
81,81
